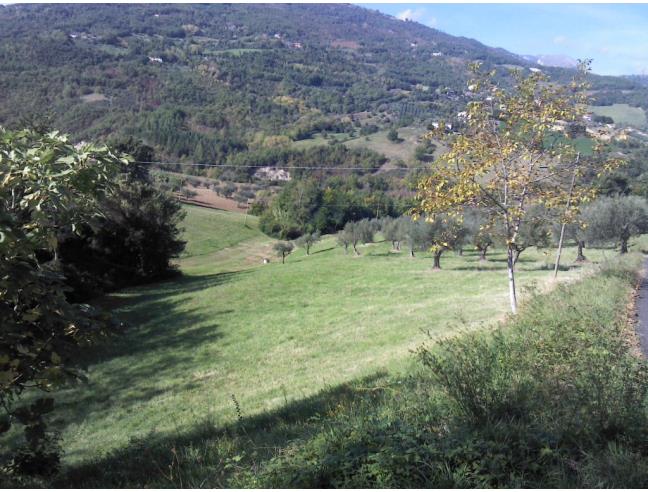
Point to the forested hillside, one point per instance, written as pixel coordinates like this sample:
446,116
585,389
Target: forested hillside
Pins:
229,83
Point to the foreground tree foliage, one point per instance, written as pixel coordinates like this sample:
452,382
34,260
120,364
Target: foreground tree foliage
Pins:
512,156
45,184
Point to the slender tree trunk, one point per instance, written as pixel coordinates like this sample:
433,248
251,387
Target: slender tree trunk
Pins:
562,228
397,245
437,260
580,256
516,255
356,249
624,245
511,277
283,258
307,249
460,251
482,253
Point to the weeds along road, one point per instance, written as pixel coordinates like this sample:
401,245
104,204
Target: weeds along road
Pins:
642,310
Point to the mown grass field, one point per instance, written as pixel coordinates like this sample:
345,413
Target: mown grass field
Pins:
392,150
622,114
233,329
377,142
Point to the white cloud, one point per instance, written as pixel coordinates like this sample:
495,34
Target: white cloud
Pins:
560,39
409,14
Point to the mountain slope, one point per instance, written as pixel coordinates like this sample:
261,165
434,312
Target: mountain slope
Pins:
224,83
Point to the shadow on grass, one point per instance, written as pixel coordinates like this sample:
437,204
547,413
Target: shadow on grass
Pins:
162,335
322,250
211,452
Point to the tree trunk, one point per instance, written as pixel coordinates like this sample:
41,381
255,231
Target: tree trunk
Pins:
437,260
397,245
307,249
516,255
580,256
460,251
356,249
411,252
624,245
482,253
511,277
283,258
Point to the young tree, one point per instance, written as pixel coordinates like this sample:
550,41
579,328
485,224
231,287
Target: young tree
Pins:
344,239
307,240
395,231
415,234
616,220
283,249
511,155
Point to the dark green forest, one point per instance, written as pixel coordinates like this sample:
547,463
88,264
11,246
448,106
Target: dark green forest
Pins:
232,83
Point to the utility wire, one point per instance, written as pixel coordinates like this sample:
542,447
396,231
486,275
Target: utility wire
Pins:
250,166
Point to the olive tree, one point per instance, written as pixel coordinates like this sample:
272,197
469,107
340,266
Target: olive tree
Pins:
479,230
354,233
283,249
443,233
307,240
616,219
395,231
575,231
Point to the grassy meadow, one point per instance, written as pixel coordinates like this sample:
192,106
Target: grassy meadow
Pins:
622,114
234,332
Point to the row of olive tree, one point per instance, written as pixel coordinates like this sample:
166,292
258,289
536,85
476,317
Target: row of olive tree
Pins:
604,221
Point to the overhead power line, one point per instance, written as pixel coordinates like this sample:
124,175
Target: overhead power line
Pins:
250,166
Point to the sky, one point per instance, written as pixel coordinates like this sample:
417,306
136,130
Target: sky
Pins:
615,36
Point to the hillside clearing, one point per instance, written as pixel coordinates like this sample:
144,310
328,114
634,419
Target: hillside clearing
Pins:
622,114
265,335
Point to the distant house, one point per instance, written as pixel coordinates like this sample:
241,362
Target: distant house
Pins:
155,59
535,70
272,174
297,45
277,36
437,53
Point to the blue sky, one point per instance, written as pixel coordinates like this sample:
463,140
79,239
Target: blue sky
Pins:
615,36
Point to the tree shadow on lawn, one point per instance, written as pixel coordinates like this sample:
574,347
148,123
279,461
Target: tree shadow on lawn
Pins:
161,336
322,250
147,462
184,284
138,366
